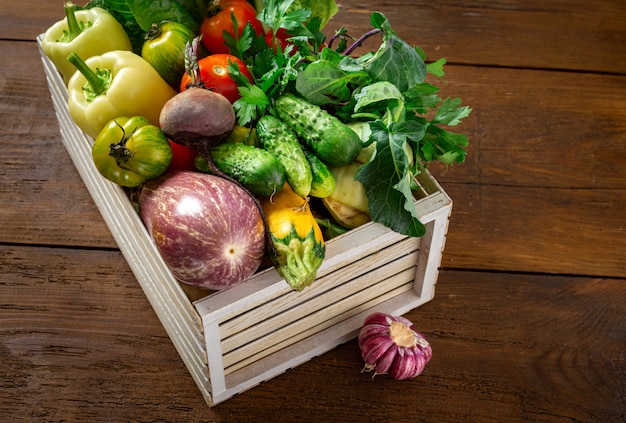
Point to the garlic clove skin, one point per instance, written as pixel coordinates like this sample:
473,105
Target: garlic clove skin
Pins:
386,360
407,367
381,319
390,345
374,347
371,330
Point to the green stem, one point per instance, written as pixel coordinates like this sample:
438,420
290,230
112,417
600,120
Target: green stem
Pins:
332,229
98,83
192,68
73,28
119,151
154,32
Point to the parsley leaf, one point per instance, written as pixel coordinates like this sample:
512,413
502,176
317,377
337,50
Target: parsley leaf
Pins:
239,44
277,14
252,104
450,112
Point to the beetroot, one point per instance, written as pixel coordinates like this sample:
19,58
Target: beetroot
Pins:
198,118
208,230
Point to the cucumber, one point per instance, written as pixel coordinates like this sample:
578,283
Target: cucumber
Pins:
276,137
329,138
254,168
323,183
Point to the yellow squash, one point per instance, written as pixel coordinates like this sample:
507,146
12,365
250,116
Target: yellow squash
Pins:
297,247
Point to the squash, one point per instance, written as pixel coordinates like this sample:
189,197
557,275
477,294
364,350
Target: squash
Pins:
296,245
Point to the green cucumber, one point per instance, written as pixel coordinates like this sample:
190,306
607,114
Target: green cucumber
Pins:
323,183
254,168
329,138
276,137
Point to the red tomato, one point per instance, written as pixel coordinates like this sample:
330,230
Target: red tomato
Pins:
182,157
214,74
219,20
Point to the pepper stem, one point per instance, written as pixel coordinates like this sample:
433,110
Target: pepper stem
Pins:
73,28
98,81
119,151
154,32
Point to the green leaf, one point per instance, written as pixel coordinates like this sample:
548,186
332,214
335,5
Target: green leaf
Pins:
436,68
451,113
322,9
387,181
375,94
251,105
380,21
147,12
397,62
279,14
239,44
322,83
196,8
444,146
422,97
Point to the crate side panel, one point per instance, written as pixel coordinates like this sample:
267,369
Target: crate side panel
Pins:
275,321
290,357
319,320
293,299
268,284
176,313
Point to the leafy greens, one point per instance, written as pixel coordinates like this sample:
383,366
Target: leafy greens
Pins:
384,89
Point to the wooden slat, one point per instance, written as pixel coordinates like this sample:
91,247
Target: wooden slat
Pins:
266,321
481,32
293,330
406,251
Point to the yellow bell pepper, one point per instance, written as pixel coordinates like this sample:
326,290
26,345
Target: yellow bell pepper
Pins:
114,84
87,33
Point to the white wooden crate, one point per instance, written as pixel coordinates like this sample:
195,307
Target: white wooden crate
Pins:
235,339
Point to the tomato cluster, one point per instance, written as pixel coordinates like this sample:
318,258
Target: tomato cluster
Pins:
213,68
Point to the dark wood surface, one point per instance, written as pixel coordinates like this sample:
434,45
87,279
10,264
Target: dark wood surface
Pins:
529,318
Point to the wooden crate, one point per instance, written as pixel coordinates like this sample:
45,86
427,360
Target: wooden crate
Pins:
235,339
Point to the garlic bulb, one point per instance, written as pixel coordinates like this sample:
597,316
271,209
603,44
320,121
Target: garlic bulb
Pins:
390,345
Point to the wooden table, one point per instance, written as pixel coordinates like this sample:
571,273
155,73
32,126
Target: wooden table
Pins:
529,319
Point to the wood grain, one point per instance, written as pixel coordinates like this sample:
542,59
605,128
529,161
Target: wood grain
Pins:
577,184
508,347
34,163
535,34
528,321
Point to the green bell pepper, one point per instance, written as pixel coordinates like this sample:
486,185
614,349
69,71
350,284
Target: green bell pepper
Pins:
87,33
116,83
130,150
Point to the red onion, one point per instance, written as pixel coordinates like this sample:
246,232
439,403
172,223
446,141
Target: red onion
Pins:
390,345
